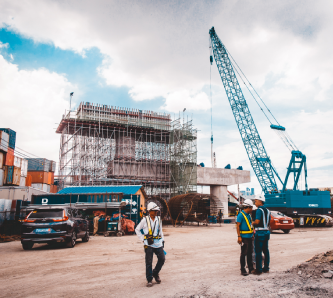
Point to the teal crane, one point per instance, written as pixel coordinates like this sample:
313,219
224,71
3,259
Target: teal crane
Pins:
293,201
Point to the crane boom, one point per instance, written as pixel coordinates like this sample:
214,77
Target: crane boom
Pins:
254,146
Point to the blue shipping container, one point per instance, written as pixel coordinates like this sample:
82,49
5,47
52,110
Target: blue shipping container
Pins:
38,164
10,175
12,137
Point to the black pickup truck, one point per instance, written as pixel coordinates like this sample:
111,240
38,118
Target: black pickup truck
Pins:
54,224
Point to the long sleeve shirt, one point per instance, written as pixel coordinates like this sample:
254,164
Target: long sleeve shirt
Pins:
156,229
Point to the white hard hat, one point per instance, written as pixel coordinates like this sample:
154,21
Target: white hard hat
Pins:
248,202
152,206
260,198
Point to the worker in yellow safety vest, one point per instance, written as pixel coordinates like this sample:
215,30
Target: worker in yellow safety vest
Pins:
245,235
153,241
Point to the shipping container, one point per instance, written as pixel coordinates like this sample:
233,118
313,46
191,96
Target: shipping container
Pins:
2,176
4,140
9,158
52,166
38,164
22,181
12,175
24,168
18,192
39,177
2,157
40,186
28,180
53,189
12,136
5,205
50,178
17,161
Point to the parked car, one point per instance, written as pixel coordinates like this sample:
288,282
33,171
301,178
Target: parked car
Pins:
54,224
279,221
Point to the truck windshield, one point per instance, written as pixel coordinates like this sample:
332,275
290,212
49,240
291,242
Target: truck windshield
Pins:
46,213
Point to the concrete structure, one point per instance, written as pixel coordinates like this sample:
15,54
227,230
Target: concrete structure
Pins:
219,179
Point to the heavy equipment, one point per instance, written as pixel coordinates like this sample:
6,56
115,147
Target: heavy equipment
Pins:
308,206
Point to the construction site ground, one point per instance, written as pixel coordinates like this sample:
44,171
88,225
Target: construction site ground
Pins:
200,262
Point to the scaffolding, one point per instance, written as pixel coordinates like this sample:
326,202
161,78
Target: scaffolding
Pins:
105,145
183,157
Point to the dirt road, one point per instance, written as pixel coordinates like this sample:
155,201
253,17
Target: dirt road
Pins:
201,261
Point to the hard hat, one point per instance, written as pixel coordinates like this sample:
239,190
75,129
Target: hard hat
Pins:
152,206
260,198
248,203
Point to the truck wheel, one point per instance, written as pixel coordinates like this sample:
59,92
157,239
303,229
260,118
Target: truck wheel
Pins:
71,243
286,231
27,245
86,237
119,234
106,234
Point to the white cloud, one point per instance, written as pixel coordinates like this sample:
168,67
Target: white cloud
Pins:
31,104
3,45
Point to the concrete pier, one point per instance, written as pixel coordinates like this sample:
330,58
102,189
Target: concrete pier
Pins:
219,179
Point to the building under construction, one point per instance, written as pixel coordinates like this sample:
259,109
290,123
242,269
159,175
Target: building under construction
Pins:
105,145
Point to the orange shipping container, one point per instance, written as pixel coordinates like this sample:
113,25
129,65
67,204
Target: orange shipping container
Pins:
28,180
39,177
53,189
9,160
50,178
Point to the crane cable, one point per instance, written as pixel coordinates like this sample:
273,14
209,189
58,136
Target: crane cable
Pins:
286,139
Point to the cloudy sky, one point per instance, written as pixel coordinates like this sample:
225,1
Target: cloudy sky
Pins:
155,55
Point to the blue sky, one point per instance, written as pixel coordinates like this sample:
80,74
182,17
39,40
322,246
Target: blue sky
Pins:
155,56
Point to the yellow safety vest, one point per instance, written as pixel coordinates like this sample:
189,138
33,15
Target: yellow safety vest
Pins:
150,232
248,225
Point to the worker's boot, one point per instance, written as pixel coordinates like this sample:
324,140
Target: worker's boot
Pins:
149,284
157,279
255,272
244,272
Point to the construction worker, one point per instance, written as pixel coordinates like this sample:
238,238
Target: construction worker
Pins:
262,235
245,235
153,241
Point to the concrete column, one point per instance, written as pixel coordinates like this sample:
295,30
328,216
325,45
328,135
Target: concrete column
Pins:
221,192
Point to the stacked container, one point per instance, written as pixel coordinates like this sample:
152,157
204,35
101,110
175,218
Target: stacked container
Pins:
8,175
41,172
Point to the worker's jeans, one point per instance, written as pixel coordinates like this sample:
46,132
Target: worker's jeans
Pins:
246,252
261,246
149,261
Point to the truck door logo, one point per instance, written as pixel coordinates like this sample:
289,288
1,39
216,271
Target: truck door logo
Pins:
45,201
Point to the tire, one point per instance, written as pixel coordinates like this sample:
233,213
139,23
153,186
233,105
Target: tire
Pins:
27,245
286,231
86,237
106,234
71,243
119,234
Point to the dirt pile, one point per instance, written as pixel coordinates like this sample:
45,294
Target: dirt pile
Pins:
319,266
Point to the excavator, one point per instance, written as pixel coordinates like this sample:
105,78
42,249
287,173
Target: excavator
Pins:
308,207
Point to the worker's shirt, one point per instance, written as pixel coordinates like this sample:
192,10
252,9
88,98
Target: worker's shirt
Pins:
243,225
259,215
156,229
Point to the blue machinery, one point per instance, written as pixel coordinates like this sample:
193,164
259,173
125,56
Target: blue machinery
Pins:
290,201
